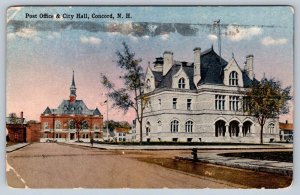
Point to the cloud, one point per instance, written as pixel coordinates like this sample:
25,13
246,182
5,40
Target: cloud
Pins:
237,33
133,38
271,41
53,35
90,40
212,37
26,33
146,37
164,37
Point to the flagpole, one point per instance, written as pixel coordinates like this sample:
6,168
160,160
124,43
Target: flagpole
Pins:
107,118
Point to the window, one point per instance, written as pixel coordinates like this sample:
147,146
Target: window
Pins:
85,125
159,104
46,126
174,126
189,104
189,127
271,127
148,85
148,128
233,103
174,103
71,124
233,78
96,126
181,83
57,125
246,104
220,102
220,128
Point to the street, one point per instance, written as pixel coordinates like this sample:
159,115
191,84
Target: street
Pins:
51,165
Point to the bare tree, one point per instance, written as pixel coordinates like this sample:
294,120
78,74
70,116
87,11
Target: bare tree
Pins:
132,95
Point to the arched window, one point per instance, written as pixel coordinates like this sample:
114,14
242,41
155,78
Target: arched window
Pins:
148,128
234,129
71,124
148,84
220,128
181,83
189,126
174,126
57,124
233,78
85,125
271,128
246,128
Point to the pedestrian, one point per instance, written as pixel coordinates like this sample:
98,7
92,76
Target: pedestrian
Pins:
92,141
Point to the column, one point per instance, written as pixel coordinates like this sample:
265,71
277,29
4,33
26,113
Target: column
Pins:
240,130
227,130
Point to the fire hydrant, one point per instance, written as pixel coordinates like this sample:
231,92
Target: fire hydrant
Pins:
194,153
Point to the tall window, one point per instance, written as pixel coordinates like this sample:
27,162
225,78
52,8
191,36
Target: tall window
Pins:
246,104
233,103
220,102
46,126
271,127
71,124
174,103
181,83
57,124
189,104
233,78
174,126
148,85
159,103
148,128
85,125
189,126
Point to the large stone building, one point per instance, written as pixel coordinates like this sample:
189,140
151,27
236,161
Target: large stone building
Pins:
200,101
71,120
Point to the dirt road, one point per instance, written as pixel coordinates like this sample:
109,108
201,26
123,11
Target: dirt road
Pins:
50,165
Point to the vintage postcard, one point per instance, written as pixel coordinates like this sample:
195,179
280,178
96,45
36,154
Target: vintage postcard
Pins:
149,97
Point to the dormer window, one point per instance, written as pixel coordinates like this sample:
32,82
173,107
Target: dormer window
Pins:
148,85
181,83
233,78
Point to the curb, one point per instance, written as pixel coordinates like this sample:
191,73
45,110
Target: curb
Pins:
280,171
17,148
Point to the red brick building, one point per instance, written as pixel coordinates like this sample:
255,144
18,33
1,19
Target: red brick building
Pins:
70,120
21,131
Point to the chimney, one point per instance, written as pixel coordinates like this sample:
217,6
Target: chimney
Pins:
197,65
249,66
21,116
168,62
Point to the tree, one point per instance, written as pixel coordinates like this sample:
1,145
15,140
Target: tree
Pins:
132,95
267,99
78,123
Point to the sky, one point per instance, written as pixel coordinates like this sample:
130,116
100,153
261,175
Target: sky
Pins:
42,51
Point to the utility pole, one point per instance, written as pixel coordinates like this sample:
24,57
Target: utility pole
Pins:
107,117
217,24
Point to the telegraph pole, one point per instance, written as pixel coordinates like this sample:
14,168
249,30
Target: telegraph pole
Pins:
217,24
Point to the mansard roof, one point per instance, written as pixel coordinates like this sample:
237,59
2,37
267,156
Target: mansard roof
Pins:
212,71
68,107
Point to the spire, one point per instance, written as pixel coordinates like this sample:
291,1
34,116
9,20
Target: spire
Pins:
73,82
73,90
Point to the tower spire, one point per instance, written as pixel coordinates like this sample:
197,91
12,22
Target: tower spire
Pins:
73,90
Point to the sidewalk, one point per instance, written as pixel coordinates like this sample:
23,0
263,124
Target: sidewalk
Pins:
282,168
15,147
166,147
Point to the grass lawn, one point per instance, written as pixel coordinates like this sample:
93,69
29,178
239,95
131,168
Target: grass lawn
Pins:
273,156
